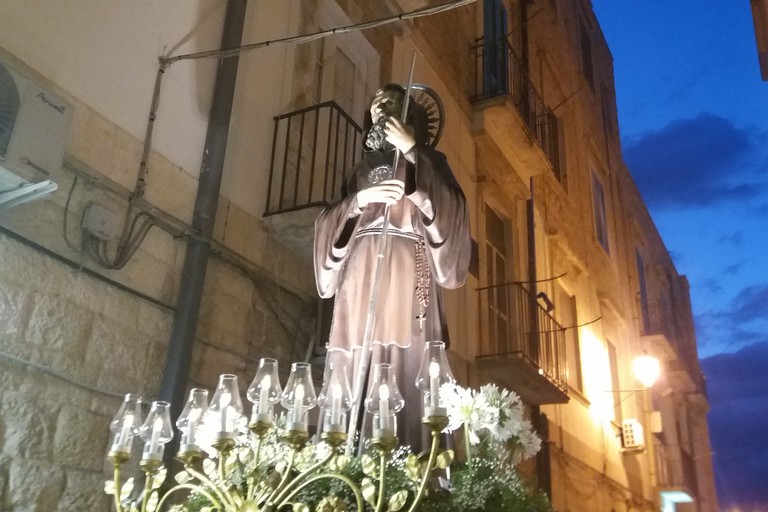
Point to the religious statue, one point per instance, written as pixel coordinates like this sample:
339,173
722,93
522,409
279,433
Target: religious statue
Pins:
427,248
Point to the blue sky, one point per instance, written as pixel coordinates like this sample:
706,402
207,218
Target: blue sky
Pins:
693,114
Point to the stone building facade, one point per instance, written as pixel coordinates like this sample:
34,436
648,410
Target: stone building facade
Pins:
569,282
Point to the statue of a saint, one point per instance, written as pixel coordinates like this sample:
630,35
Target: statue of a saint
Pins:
428,247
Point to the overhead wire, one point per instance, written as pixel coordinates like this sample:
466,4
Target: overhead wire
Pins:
306,38
130,240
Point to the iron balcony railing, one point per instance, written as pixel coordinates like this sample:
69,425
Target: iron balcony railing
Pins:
312,148
499,72
514,324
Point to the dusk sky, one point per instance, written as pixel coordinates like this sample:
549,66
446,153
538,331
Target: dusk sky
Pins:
693,114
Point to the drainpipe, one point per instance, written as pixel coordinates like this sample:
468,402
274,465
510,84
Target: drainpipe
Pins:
533,318
524,56
543,458
179,355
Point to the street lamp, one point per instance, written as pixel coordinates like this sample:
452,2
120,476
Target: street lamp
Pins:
647,370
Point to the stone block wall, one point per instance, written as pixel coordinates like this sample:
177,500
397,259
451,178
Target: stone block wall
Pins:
71,346
75,337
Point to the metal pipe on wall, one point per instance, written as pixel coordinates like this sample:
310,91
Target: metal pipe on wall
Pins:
179,355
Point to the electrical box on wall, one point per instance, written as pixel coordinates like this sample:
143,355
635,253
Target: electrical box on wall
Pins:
34,124
632,435
100,222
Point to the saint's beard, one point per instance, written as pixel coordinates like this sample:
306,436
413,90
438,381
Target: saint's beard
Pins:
377,138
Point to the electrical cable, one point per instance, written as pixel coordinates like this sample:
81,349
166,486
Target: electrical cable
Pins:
47,371
65,227
301,39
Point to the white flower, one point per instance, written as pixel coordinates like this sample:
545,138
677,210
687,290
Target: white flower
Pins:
530,443
459,404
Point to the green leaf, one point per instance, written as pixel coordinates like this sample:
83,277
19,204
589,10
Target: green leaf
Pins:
413,468
182,477
397,501
245,455
159,478
369,465
368,490
273,480
127,489
230,463
300,507
330,503
445,459
209,467
339,462
152,502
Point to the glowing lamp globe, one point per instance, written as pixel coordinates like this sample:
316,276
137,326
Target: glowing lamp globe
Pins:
646,369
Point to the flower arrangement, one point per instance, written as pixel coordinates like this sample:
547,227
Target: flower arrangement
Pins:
493,422
264,470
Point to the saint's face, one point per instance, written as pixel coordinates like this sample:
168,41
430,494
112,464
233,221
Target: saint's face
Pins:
386,103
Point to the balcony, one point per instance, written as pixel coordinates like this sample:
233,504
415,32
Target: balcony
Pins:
312,148
658,329
522,347
511,119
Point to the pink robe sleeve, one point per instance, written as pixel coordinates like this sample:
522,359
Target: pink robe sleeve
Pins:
443,213
335,230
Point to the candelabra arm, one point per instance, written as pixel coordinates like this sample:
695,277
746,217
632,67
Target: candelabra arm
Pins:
225,498
196,488
148,483
283,481
299,478
382,478
251,479
353,487
427,470
118,488
467,445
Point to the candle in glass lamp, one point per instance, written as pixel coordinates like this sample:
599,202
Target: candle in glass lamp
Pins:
264,394
384,419
122,438
154,440
434,385
226,398
298,398
190,436
336,404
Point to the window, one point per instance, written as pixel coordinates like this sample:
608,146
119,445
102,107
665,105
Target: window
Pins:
496,274
494,48
601,220
565,311
335,79
606,102
586,54
643,292
614,382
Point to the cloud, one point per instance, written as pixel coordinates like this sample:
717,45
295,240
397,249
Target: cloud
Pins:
743,322
751,304
693,162
736,239
738,420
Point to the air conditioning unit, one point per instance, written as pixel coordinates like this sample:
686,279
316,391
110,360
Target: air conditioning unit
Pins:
34,124
632,436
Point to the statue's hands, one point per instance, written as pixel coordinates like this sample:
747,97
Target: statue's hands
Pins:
399,135
387,192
